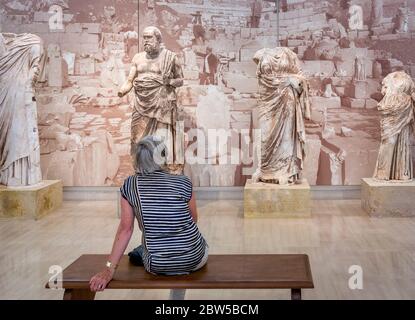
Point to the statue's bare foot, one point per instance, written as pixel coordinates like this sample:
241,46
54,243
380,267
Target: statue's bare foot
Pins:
256,177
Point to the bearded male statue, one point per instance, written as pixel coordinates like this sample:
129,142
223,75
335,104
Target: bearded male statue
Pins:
154,76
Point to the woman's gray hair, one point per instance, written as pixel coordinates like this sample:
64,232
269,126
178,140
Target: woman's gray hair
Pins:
150,155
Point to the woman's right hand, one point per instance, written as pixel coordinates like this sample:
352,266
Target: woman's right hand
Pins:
101,279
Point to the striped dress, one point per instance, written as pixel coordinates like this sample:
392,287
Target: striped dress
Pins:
171,239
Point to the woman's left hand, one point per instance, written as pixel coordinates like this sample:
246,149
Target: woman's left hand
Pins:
101,279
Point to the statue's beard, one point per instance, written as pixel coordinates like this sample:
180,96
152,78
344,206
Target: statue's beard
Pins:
151,49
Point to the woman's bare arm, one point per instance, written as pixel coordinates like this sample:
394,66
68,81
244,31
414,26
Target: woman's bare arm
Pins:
193,207
122,238
124,232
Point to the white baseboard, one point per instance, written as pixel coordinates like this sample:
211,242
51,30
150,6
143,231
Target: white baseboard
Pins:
209,193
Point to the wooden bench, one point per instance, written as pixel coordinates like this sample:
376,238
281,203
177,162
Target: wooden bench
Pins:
246,271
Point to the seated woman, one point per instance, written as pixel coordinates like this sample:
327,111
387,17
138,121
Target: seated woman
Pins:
165,207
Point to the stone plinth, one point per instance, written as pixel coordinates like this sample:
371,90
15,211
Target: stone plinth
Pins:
388,199
266,200
32,201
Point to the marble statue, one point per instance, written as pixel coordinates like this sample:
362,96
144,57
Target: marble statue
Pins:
155,74
397,127
21,64
377,12
359,68
402,20
284,104
356,17
328,91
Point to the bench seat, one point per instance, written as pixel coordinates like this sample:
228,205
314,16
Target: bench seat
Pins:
239,271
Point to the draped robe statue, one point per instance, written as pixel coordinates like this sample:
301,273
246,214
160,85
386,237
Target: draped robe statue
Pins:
377,12
155,74
21,64
397,127
359,69
284,104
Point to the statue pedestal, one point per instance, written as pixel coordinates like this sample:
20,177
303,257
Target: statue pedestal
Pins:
266,200
388,199
32,201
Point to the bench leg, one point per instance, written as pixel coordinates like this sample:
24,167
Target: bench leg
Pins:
78,294
295,294
177,294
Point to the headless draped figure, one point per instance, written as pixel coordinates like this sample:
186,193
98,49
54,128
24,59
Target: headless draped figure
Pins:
283,106
21,64
397,127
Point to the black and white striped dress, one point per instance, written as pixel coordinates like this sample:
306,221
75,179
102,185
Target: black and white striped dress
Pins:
172,241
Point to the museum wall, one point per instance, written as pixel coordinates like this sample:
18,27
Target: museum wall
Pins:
345,47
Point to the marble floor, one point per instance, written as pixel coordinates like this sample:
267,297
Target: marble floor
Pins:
338,235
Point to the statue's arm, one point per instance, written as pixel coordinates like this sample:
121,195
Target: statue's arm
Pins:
177,80
34,73
306,100
128,85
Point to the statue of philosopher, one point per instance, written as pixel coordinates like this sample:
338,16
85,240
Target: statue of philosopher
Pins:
154,76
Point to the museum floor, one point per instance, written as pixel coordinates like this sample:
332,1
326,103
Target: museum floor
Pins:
338,235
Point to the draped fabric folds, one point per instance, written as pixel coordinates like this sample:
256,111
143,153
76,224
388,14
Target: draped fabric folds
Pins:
21,64
155,108
397,112
152,98
283,106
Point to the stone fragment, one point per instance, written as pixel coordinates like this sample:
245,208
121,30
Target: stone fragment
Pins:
353,103
57,68
329,103
328,132
330,169
311,163
346,132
